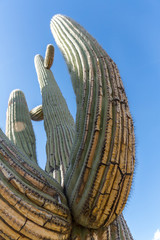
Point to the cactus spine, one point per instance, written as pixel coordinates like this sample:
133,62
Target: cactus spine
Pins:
93,158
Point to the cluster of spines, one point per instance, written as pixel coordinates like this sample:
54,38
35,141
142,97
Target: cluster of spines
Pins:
58,122
102,158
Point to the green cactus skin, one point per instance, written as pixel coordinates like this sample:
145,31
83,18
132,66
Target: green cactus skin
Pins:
97,154
36,114
18,124
102,159
58,122
31,203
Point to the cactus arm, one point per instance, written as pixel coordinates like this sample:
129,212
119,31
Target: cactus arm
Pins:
102,158
49,56
36,114
58,122
18,124
31,202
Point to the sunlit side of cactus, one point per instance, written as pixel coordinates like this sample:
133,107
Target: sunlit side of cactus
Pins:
18,124
58,122
93,158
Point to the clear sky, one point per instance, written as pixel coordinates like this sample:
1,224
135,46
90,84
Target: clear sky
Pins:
130,33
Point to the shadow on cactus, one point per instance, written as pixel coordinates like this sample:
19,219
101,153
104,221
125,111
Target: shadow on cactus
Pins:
90,163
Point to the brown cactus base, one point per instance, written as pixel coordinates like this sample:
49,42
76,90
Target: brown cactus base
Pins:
118,230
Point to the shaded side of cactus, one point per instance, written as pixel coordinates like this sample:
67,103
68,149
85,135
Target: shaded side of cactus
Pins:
118,230
102,158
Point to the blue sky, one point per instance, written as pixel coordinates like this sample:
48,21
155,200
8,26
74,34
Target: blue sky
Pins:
130,33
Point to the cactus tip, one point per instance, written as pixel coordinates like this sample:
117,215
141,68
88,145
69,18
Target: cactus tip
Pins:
49,56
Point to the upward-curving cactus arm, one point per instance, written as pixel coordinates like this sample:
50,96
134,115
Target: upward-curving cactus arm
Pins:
58,122
102,158
18,124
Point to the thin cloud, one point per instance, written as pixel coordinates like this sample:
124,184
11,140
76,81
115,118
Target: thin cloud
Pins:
157,235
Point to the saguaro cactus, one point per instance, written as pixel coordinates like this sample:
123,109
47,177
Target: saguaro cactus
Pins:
18,124
58,122
90,163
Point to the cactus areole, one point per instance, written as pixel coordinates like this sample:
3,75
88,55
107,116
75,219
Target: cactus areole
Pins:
90,162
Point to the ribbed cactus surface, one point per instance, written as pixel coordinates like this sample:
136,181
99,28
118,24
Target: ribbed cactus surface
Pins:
102,158
90,163
32,205
36,113
18,124
58,122
118,230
